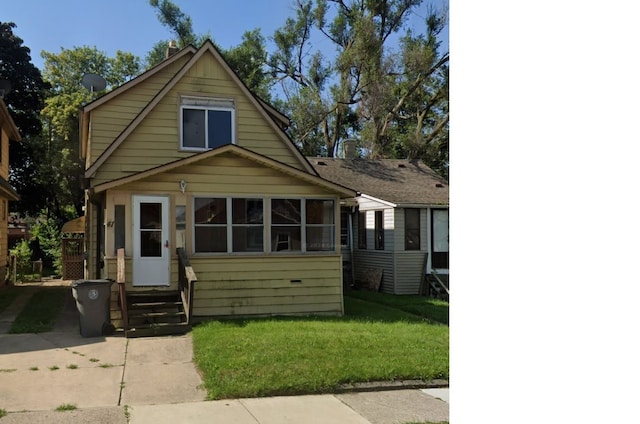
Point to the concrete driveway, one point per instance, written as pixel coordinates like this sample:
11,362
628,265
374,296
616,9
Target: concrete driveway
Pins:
44,371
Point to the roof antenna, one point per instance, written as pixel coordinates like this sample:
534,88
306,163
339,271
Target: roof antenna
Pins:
93,82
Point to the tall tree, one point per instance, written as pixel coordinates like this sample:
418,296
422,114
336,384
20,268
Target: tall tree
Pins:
60,163
358,29
248,59
25,100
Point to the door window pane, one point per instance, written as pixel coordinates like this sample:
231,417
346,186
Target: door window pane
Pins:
151,229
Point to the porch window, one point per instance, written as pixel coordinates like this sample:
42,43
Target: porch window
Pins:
119,227
320,225
440,238
181,225
412,229
362,230
210,229
302,225
286,225
379,230
240,230
206,123
248,226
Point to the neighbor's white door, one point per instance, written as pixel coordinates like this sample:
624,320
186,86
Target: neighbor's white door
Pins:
151,258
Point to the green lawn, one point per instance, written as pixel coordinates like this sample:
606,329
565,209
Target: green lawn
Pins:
7,296
433,309
40,313
286,356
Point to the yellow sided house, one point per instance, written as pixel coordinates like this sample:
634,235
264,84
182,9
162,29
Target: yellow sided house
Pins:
8,132
199,205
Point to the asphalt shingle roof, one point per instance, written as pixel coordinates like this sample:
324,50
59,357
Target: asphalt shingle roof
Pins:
397,181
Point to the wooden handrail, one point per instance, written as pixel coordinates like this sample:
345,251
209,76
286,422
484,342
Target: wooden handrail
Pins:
186,279
435,275
122,292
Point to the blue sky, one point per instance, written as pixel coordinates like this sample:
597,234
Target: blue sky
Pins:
132,25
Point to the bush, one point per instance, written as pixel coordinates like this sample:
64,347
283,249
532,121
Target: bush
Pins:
22,252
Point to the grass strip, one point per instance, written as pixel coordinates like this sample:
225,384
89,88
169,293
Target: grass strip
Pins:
289,356
432,309
7,296
40,313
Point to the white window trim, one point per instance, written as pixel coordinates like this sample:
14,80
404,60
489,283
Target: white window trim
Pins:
267,225
206,104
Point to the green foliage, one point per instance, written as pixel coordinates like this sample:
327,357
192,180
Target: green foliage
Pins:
47,231
66,407
58,152
22,252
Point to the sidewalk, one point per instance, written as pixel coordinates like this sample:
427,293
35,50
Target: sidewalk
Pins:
153,380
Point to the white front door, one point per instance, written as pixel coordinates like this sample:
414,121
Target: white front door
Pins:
151,258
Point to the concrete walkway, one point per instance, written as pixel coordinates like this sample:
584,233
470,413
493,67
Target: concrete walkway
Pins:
154,380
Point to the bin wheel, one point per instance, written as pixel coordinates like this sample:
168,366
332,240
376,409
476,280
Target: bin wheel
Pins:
108,329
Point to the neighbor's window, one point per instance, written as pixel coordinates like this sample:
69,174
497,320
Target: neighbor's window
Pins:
440,238
210,224
412,229
362,230
344,228
207,123
379,230
248,227
320,224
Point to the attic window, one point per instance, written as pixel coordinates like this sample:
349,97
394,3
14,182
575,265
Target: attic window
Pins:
320,162
206,123
402,165
439,185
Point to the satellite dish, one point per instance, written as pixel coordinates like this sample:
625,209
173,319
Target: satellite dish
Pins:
5,87
93,82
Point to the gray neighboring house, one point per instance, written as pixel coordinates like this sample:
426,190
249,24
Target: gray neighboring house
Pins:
398,224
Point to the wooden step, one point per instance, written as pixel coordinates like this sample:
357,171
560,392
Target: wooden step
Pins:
154,305
158,329
155,313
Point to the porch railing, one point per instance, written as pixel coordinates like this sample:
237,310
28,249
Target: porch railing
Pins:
186,282
122,292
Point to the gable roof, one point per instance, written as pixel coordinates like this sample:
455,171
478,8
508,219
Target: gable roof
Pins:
84,111
399,182
240,152
207,46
